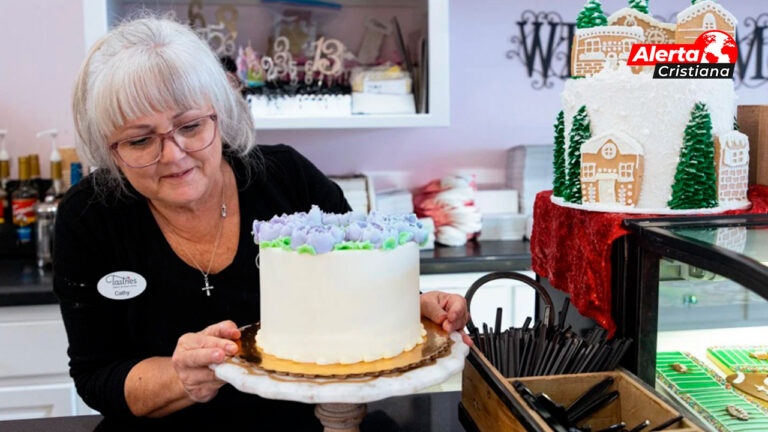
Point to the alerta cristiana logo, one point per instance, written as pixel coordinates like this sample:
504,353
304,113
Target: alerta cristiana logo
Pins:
713,55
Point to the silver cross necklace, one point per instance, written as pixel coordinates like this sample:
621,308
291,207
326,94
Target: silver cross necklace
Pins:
208,287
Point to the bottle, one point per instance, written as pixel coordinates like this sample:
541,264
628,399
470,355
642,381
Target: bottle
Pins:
23,202
34,173
3,204
75,173
5,174
5,161
56,191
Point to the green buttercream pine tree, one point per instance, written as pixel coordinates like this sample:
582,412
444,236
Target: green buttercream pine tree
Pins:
591,16
559,183
639,5
580,133
695,180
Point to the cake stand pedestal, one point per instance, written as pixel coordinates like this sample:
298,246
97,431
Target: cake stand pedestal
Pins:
337,417
341,402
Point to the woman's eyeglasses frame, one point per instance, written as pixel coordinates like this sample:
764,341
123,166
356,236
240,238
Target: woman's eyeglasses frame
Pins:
163,137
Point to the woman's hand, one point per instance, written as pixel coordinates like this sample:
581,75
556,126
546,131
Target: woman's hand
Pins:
196,351
447,310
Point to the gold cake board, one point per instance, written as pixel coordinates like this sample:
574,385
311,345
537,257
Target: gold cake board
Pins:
436,343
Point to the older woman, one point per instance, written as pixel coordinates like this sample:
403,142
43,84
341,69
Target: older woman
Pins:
154,255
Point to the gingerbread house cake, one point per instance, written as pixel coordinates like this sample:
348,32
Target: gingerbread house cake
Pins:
627,142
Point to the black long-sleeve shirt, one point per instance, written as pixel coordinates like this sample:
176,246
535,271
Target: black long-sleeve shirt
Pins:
96,237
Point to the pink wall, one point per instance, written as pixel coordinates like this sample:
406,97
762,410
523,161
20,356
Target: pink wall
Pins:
493,105
40,52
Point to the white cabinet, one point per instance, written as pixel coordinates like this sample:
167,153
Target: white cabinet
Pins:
36,401
517,299
34,375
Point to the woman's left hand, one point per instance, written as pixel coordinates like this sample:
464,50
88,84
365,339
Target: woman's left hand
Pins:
447,310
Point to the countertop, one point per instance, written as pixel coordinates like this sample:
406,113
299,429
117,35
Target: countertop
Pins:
426,412
22,283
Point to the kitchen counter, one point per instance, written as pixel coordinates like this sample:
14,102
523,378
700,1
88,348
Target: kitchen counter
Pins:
477,256
22,283
426,412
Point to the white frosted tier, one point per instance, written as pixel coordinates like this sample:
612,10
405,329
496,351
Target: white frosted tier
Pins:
654,112
339,307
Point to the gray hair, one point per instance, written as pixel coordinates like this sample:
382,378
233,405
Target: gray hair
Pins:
145,66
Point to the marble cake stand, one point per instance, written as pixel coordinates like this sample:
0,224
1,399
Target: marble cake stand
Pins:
341,403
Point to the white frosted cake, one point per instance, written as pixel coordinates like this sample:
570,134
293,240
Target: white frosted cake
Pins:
339,288
627,142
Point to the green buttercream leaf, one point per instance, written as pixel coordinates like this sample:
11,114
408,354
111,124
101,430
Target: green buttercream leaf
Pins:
389,244
366,245
285,240
347,245
405,237
307,249
265,244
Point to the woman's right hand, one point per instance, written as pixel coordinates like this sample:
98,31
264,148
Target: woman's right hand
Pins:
196,351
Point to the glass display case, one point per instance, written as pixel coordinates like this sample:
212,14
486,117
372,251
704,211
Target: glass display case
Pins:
693,291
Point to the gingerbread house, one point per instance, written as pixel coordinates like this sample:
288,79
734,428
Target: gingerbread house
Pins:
596,47
732,166
611,170
703,17
654,31
732,238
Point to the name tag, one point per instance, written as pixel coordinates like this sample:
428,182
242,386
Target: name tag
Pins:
121,285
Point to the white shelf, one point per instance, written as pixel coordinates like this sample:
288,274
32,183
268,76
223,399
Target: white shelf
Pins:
438,35
350,122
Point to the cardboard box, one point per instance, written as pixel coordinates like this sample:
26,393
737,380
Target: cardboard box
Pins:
494,405
753,122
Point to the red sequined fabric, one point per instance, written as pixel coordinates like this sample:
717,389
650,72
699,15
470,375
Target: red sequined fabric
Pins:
572,249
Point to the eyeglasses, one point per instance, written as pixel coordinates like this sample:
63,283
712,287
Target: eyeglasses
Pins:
143,151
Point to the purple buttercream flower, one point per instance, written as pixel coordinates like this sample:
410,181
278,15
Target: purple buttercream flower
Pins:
404,227
256,225
354,232
322,241
278,219
356,215
420,236
269,231
337,233
287,230
344,219
298,237
315,216
330,219
373,235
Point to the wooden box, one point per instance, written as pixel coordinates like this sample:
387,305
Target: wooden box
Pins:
753,122
489,403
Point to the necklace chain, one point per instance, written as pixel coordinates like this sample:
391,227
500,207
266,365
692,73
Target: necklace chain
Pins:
206,273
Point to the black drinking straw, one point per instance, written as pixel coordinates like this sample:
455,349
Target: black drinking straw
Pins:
515,353
593,407
588,396
563,312
641,426
526,324
667,424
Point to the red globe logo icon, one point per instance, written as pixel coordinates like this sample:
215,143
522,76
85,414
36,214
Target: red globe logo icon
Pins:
717,47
